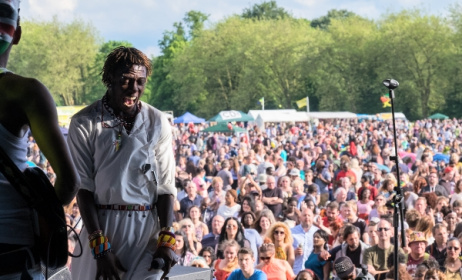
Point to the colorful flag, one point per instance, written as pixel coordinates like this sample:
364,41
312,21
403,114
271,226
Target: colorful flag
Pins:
385,100
261,101
301,103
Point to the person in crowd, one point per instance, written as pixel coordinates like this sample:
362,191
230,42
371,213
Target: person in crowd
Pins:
264,222
303,239
379,207
323,179
345,270
433,185
421,206
247,271
457,192
231,208
434,274
375,257
297,191
199,262
187,227
248,205
365,205
225,174
417,244
272,196
232,231
201,228
419,184
281,237
387,189
208,253
225,265
452,263
306,274
292,213
274,268
211,239
248,220
314,262
438,248
285,184
349,213
353,247
450,218
182,249
191,198
371,236
425,225
130,165
366,184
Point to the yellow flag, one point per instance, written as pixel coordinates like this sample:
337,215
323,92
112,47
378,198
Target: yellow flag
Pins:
301,103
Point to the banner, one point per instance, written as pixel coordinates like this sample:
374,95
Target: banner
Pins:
301,103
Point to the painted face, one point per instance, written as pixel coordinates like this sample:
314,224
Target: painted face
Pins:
127,88
8,22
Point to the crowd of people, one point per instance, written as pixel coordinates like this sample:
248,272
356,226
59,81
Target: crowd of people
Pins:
315,201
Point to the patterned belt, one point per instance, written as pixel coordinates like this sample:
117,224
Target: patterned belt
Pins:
130,207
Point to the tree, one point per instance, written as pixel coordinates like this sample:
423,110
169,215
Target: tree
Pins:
417,49
324,21
265,11
162,88
58,55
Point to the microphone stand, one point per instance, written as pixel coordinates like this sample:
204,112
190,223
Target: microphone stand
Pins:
398,199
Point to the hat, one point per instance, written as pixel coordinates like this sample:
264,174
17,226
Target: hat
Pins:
448,169
417,236
343,266
294,172
261,178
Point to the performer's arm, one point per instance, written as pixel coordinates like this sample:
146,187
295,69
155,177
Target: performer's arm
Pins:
40,109
165,209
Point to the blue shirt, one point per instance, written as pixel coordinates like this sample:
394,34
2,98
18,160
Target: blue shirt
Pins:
314,264
305,239
255,240
238,275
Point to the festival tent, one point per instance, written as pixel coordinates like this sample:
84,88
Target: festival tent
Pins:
224,127
278,116
231,116
438,116
387,116
188,118
332,115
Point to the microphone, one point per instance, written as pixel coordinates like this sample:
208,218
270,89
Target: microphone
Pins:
158,263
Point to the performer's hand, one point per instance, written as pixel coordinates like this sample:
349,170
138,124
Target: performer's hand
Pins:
108,267
169,256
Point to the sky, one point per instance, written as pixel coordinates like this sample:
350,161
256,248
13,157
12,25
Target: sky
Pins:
142,22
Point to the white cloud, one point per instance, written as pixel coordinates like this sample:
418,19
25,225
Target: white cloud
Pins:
47,8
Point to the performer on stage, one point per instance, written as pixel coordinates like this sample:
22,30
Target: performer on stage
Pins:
25,104
122,148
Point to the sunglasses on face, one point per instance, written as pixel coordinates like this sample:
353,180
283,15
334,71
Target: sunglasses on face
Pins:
279,232
231,226
383,229
453,248
265,258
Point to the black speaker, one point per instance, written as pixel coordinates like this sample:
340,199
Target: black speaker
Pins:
189,273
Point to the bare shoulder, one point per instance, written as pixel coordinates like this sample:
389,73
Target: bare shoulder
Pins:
22,90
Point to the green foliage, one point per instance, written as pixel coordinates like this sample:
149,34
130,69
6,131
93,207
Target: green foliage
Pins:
265,11
57,54
324,21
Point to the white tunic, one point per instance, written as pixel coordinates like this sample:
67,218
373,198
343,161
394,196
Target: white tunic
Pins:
124,176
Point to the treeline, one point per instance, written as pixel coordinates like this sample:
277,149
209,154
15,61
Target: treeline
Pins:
338,60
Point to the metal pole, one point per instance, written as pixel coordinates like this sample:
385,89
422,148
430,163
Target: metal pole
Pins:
398,199
307,104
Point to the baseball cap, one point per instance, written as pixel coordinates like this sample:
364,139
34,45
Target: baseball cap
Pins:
343,267
261,178
294,172
417,236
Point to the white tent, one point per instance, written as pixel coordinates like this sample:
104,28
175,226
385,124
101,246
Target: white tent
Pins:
387,116
279,116
332,115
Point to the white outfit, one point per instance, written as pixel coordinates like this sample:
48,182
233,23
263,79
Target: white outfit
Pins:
124,176
227,212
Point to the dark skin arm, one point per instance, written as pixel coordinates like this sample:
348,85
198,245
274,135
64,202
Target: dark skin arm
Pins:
26,103
164,207
108,266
